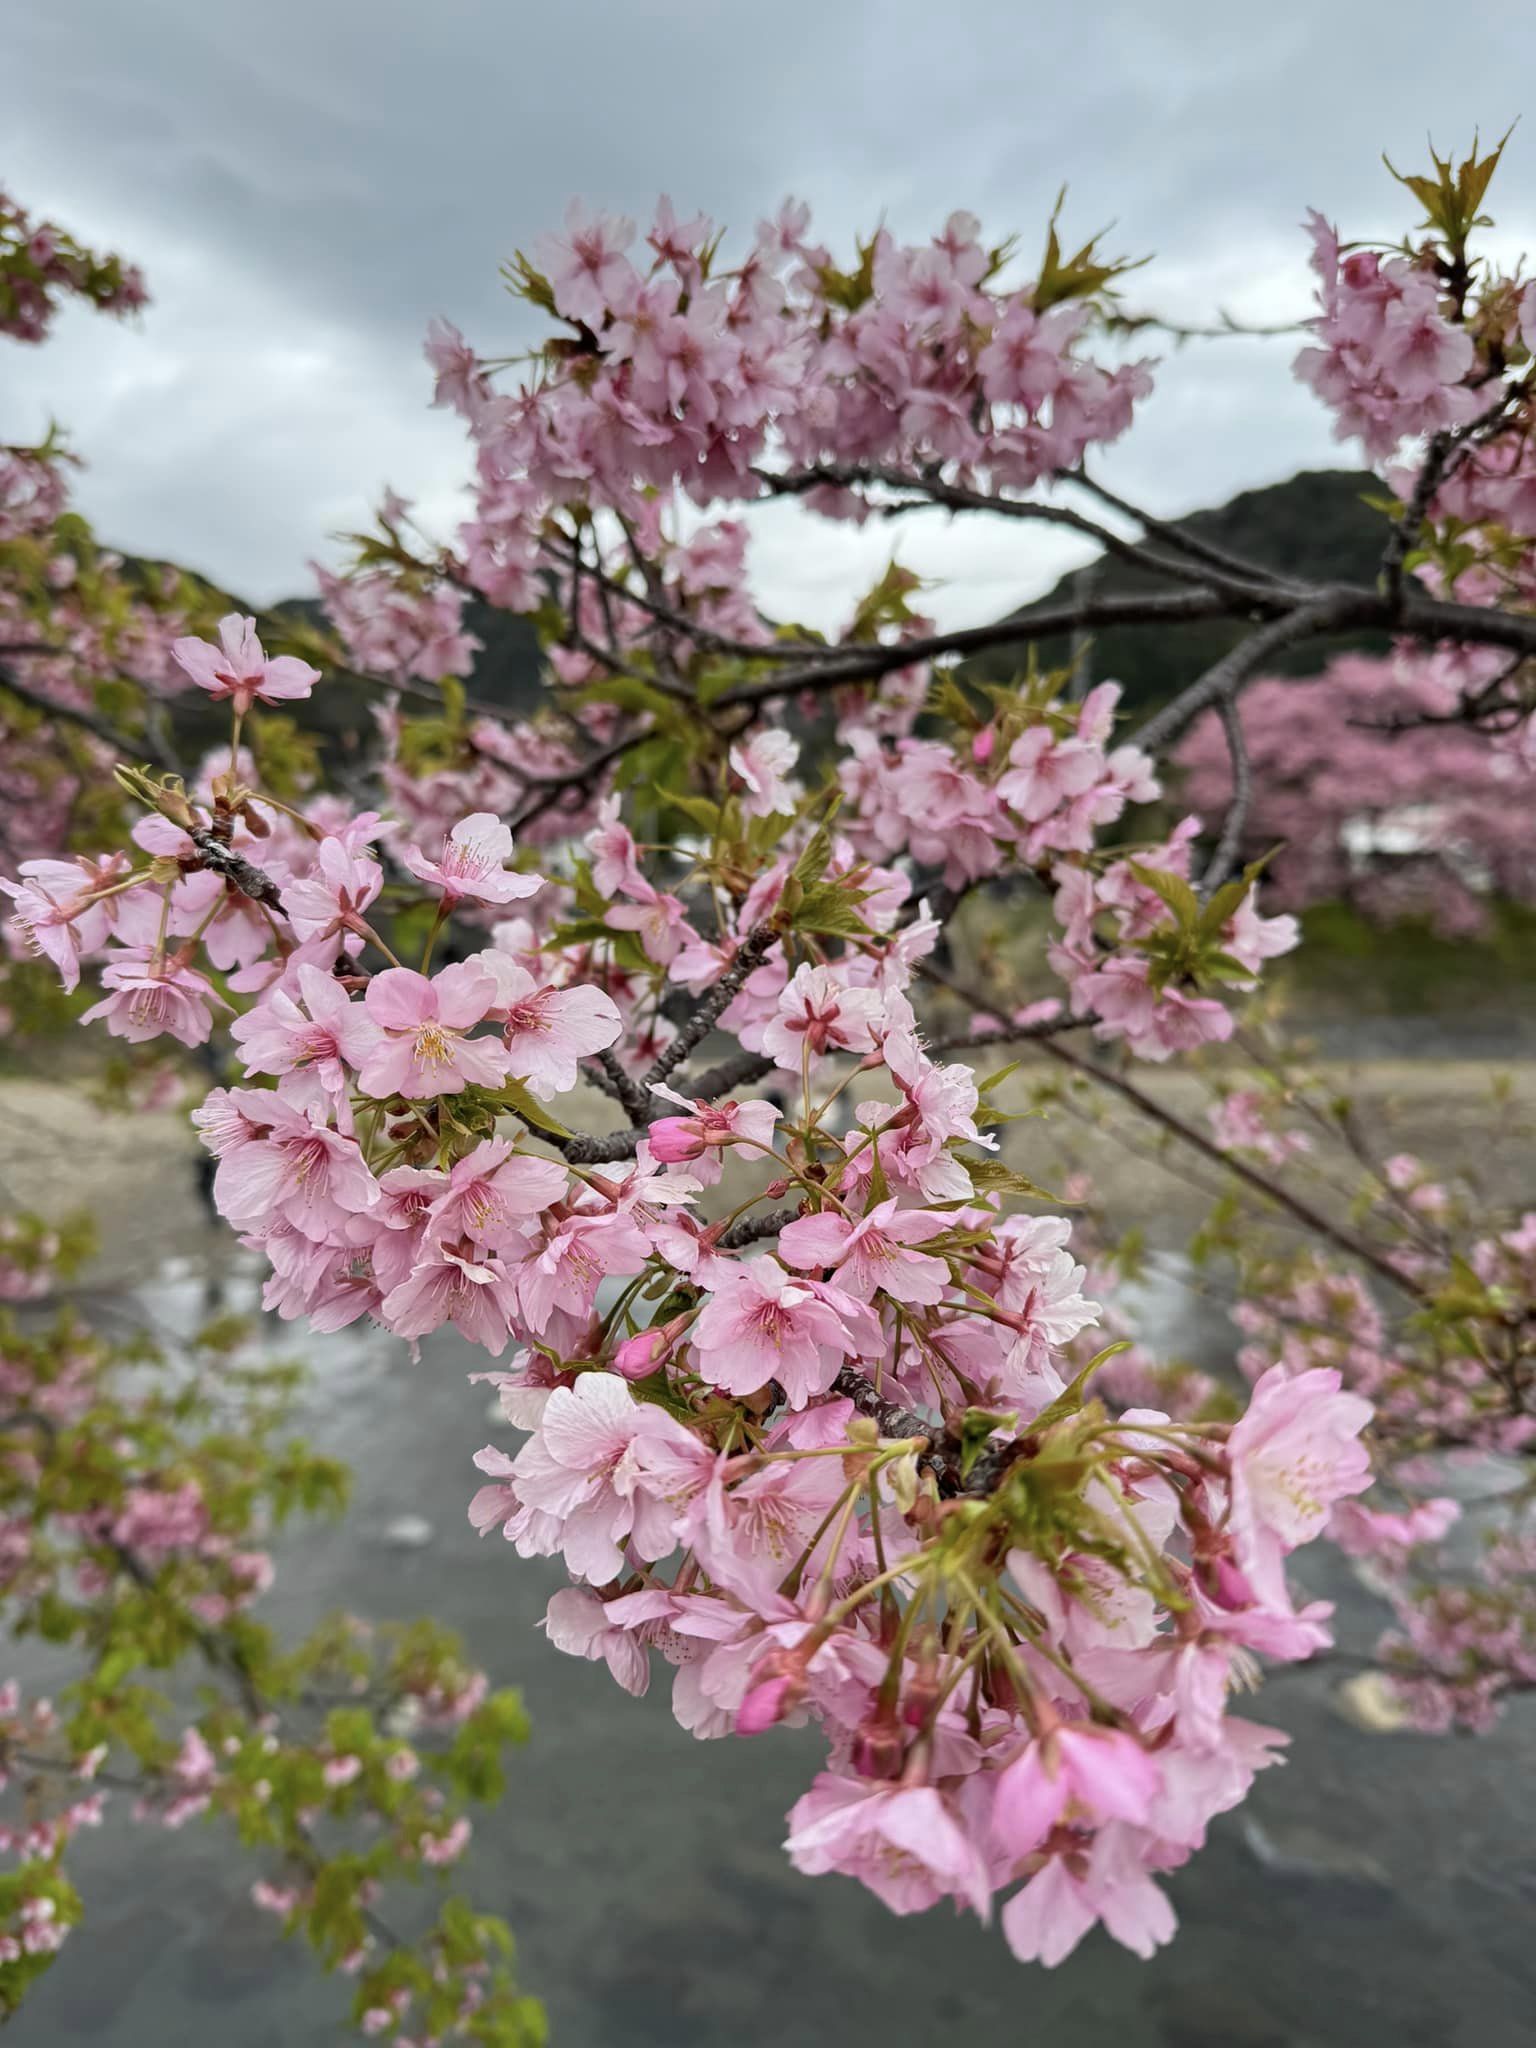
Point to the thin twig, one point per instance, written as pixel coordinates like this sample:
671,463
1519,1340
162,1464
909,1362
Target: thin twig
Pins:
1227,846
749,956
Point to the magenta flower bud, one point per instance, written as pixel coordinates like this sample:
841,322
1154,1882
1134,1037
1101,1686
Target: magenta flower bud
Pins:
638,1357
983,744
766,1703
674,1139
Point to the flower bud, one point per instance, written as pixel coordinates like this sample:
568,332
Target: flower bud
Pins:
879,1747
638,1357
674,1139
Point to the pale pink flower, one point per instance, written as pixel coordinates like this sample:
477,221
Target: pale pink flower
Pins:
1099,1773
583,1466
615,866
329,901
1044,773
748,1532
239,669
903,1841
577,1622
586,266
473,863
424,1050
55,915
1045,1921
325,1031
548,1031
659,920
491,1190
872,1253
292,1168
1373,1532
764,765
477,1295
1294,1453
817,1013
153,995
562,1275
762,1324
459,381
439,1850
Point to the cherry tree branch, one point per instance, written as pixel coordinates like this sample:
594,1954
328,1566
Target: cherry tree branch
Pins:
1227,846
749,956
1300,1210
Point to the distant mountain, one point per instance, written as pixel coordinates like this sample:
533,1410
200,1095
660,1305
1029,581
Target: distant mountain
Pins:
1316,525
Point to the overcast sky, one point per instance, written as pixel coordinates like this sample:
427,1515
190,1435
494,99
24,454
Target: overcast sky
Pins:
306,181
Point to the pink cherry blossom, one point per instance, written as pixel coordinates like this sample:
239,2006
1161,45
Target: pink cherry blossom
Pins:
153,994
548,1031
292,1166
902,1841
324,1032
474,1292
817,1013
872,1253
762,1324
584,1467
491,1190
58,913
1294,1452
239,669
473,864
1102,1774
424,1049
764,765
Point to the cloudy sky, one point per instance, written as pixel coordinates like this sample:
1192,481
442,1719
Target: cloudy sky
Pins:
306,181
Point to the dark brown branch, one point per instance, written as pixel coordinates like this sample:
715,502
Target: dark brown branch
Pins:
933,490
630,1094
1329,612
749,956
752,1229
868,664
739,1071
1175,536
554,788
234,867
605,1150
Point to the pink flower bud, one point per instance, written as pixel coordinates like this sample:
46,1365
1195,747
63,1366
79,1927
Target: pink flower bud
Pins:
638,1357
983,744
763,1705
675,1138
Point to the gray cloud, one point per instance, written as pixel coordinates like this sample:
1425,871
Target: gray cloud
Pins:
308,181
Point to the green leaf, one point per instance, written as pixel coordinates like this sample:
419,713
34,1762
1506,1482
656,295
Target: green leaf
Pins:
530,1109
990,1176
1173,891
1070,1399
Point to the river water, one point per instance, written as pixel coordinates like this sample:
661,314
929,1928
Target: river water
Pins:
1380,1889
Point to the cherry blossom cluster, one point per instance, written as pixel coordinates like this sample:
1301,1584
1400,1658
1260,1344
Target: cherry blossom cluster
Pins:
611,1041
1373,794
1388,362
686,374
829,1459
42,264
